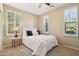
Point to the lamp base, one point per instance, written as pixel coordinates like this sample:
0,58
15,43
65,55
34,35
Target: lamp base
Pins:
16,35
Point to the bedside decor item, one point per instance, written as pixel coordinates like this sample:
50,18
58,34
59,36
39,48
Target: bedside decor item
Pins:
15,29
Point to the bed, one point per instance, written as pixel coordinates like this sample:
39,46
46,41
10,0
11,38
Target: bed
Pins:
40,44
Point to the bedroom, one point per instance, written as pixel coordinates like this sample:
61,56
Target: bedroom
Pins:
31,17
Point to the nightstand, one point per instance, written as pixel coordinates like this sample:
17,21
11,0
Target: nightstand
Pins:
16,41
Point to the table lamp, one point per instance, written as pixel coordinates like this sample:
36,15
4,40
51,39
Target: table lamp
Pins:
15,29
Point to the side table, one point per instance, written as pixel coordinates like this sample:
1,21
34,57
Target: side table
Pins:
16,41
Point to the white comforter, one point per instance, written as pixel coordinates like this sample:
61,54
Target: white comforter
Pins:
40,44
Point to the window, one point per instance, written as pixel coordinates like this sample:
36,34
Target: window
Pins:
45,24
13,19
71,21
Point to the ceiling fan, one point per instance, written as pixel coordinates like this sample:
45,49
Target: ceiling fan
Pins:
47,4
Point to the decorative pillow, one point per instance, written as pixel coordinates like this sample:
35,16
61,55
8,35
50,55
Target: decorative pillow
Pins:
29,33
38,32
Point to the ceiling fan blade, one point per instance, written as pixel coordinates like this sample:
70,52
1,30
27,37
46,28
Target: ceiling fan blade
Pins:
47,4
52,6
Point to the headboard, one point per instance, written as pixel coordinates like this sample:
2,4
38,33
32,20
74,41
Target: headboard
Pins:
25,28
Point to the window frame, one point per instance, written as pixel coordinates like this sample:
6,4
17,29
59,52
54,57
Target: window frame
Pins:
77,21
15,12
44,25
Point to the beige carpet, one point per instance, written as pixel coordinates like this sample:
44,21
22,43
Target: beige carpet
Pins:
24,51
63,51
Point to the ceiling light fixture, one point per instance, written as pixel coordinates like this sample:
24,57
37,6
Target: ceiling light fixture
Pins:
46,4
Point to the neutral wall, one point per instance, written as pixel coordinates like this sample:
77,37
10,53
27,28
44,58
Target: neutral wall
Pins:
1,28
28,19
1,32
56,19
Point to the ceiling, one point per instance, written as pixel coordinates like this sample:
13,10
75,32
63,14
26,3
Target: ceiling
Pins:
33,7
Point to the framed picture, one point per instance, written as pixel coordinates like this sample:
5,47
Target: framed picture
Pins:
45,23
71,21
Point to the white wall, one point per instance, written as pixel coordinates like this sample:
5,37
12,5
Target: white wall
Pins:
1,32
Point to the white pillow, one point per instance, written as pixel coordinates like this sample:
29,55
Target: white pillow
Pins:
33,29
34,32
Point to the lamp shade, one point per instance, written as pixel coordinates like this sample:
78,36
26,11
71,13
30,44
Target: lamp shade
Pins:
15,29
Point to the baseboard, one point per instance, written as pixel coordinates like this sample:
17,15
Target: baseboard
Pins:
71,47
